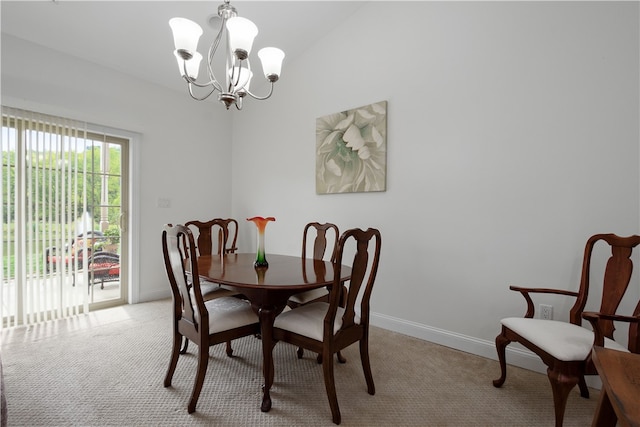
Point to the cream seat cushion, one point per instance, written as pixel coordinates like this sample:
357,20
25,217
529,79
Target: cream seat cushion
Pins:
212,290
305,297
308,320
562,340
227,313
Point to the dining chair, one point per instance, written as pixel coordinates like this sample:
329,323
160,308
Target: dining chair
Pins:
221,234
328,327
206,323
326,236
565,347
221,230
225,232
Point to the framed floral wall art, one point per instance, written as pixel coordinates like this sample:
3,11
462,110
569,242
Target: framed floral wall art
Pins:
351,150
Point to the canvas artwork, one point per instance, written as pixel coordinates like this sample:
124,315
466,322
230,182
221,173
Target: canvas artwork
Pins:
351,150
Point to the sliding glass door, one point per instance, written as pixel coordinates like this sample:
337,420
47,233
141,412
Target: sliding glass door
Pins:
63,215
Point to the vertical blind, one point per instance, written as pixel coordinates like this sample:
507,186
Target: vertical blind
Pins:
44,209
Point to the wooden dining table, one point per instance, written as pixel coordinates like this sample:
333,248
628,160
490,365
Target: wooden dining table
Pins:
268,289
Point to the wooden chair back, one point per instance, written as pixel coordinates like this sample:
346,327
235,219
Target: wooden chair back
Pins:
634,333
180,257
225,232
615,281
325,234
364,269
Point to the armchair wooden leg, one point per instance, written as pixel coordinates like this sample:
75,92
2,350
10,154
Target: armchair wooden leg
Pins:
229,349
561,384
203,361
173,362
501,346
584,390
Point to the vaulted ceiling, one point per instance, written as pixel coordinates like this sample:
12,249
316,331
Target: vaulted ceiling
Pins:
134,37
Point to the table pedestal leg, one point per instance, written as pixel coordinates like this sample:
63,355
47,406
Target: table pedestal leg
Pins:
267,317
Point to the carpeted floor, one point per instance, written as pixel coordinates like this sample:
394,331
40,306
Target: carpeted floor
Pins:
107,368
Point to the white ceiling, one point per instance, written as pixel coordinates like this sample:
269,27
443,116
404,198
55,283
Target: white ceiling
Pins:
134,36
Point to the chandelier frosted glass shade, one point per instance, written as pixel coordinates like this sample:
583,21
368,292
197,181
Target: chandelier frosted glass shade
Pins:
192,66
241,35
271,58
186,34
238,35
241,76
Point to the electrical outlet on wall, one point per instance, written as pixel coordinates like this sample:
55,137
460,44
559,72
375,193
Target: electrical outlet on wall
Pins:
164,202
546,311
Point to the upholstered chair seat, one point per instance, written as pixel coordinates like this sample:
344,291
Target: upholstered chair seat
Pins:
228,313
564,341
308,320
308,296
212,290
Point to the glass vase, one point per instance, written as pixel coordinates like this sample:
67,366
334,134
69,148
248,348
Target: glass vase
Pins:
261,225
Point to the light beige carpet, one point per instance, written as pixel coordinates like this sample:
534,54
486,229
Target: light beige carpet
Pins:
107,369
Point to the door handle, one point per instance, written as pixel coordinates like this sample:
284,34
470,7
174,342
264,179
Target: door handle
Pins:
123,222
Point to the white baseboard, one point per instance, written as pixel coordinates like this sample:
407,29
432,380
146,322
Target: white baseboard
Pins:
522,358
515,356
155,295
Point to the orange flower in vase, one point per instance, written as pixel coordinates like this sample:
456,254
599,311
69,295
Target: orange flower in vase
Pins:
261,224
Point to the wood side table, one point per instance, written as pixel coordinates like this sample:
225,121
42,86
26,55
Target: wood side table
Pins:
620,395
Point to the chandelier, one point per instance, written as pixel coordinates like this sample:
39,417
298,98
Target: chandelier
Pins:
238,34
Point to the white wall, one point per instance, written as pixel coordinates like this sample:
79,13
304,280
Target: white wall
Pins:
177,156
513,135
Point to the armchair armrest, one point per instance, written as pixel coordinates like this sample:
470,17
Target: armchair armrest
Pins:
526,291
594,318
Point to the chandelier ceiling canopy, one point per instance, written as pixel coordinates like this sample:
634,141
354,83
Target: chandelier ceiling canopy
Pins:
237,34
